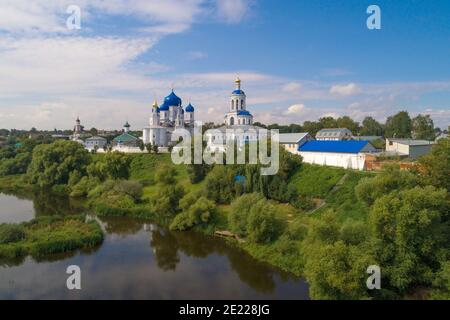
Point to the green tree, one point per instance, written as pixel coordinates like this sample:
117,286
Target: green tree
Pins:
371,127
410,234
200,212
349,123
390,179
52,163
328,122
113,165
434,168
398,126
165,174
423,127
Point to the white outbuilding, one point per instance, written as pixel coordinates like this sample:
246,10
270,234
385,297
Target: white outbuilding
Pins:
345,154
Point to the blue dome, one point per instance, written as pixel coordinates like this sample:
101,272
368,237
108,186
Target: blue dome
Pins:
190,108
164,107
172,100
238,91
243,113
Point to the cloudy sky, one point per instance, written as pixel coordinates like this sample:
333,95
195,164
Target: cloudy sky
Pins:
298,59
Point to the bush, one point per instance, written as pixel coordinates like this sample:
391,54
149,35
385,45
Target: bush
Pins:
11,233
165,174
263,225
198,213
254,217
240,210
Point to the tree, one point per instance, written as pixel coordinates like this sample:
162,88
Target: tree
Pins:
199,212
336,259
434,168
155,148
166,201
141,145
312,127
390,179
149,147
165,174
328,122
263,224
114,165
371,127
240,210
93,131
398,126
410,231
52,163
347,122
423,127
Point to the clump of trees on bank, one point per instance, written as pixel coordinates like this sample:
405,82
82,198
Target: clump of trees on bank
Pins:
47,235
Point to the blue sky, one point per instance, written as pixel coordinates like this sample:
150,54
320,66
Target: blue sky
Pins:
298,60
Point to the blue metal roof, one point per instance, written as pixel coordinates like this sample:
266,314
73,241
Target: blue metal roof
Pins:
172,100
189,108
243,113
164,107
333,146
238,91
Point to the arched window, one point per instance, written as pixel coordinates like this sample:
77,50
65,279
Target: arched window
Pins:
232,104
231,121
242,103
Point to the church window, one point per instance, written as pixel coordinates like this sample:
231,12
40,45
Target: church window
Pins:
232,104
242,104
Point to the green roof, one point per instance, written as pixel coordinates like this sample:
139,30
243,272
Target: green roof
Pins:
125,137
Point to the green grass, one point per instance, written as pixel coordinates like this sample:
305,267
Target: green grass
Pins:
316,181
343,199
47,235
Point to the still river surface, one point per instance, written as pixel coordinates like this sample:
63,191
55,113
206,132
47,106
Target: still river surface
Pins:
139,260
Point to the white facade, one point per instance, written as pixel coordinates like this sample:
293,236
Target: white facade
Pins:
165,119
95,142
408,147
354,161
237,114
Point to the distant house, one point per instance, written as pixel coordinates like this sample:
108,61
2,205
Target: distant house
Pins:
126,139
442,135
292,141
346,154
408,147
334,134
96,141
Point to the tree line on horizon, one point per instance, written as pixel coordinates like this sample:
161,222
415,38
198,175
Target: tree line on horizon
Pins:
400,125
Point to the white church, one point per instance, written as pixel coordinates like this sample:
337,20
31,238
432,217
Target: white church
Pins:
171,115
165,119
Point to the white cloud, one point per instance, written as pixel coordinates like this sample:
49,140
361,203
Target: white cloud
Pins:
295,109
345,90
233,11
292,87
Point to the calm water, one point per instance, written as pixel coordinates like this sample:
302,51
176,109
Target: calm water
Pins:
139,260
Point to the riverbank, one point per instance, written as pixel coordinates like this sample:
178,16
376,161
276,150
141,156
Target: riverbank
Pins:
48,235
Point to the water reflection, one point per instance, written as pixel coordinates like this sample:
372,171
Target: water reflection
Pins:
139,260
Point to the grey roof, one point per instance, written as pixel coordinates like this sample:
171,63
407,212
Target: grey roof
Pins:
411,142
367,138
334,130
96,138
292,137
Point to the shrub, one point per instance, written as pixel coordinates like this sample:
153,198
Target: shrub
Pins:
263,225
198,213
11,233
240,210
165,174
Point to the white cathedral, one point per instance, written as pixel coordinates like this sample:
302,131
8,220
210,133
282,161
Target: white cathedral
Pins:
171,115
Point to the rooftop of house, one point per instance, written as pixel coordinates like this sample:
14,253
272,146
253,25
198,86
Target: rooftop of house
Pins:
349,146
292,137
412,142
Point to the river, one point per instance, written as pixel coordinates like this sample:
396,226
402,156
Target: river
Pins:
139,260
